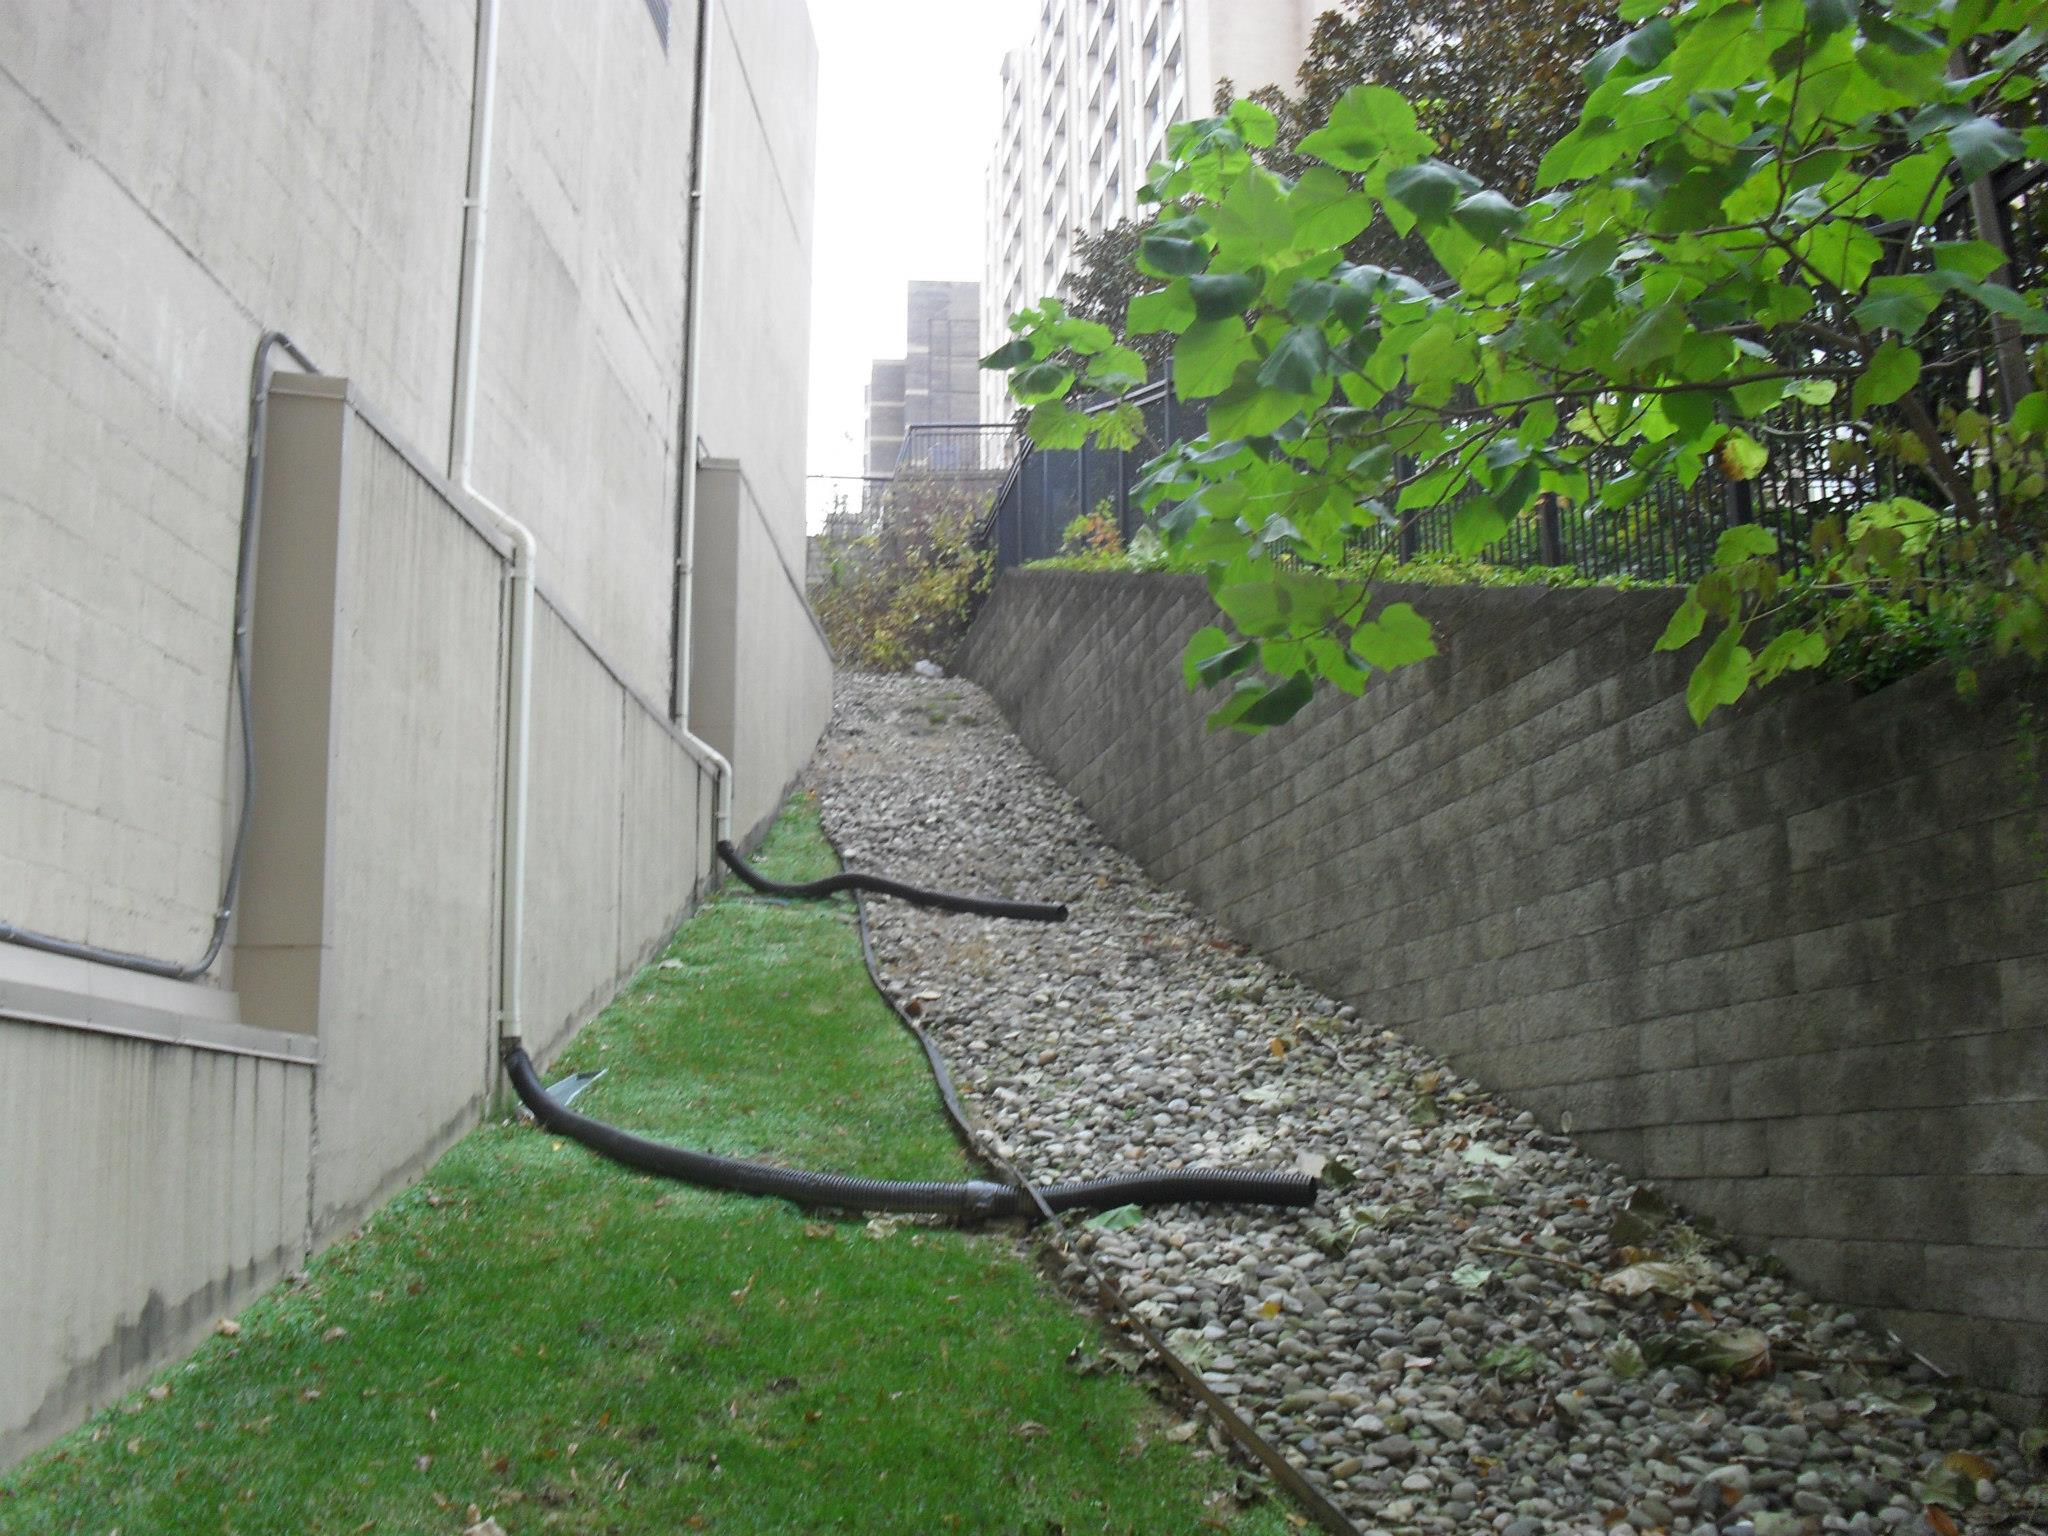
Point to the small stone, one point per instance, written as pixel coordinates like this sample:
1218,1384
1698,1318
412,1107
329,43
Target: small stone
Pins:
1396,1448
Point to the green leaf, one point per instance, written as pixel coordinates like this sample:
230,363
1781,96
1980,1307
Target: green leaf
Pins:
1041,381
1009,355
1900,303
1251,223
1790,650
1207,357
1812,391
1256,123
1171,255
1280,704
1118,1218
1645,48
1086,337
1430,189
1116,368
1654,337
1488,217
1297,362
1220,295
1248,409
1055,424
1687,620
1326,211
1745,541
1166,309
2030,416
1396,637
1120,428
1475,523
1824,17
1369,123
1721,677
1211,657
1740,457
1894,369
1982,145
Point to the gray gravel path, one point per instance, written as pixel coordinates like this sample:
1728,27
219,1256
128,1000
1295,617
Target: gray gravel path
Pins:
1487,1330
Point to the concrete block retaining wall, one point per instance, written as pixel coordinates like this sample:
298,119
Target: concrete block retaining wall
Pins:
1793,966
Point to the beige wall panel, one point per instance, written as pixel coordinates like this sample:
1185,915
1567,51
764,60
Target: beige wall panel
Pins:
166,1186
761,673
663,851
406,1024
573,830
782,678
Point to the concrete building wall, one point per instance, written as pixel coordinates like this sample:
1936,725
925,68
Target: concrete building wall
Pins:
173,182
884,415
1794,966
941,352
761,192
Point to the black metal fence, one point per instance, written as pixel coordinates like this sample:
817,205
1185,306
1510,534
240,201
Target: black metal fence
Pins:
958,449
1818,463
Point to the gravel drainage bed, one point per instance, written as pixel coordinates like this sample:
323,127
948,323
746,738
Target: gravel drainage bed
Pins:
1479,1327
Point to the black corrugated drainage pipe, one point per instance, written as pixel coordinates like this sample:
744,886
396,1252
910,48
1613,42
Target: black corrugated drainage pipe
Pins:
882,885
970,1198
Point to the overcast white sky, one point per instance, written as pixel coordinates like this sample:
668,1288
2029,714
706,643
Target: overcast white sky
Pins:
909,92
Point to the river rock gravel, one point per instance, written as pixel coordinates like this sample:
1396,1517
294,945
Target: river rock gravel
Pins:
1479,1327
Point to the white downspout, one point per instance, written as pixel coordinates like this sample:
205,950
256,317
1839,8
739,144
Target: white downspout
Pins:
461,455
686,448
525,549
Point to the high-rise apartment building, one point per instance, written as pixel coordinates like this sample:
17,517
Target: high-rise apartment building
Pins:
1086,106
938,378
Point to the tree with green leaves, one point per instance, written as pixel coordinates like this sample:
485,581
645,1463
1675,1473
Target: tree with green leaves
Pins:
1492,81
1745,218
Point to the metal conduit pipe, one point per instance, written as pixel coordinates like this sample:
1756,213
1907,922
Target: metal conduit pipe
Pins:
882,885
977,1198
245,588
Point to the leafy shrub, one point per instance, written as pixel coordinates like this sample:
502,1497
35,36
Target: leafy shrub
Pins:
903,590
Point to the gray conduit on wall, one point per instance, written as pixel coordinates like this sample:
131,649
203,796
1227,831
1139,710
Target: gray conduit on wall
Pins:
245,581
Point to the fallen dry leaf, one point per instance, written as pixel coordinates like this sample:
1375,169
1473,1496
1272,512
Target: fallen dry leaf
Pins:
336,1332
227,1327
1972,1466
1030,1429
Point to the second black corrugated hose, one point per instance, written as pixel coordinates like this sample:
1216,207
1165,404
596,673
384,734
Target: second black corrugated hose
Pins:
965,1198
882,885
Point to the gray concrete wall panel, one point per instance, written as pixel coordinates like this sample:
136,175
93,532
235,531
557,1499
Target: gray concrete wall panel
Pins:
168,1185
1793,965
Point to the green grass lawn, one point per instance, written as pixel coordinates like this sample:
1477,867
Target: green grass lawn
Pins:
537,1336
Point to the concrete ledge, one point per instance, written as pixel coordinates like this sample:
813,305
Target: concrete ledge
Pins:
59,992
